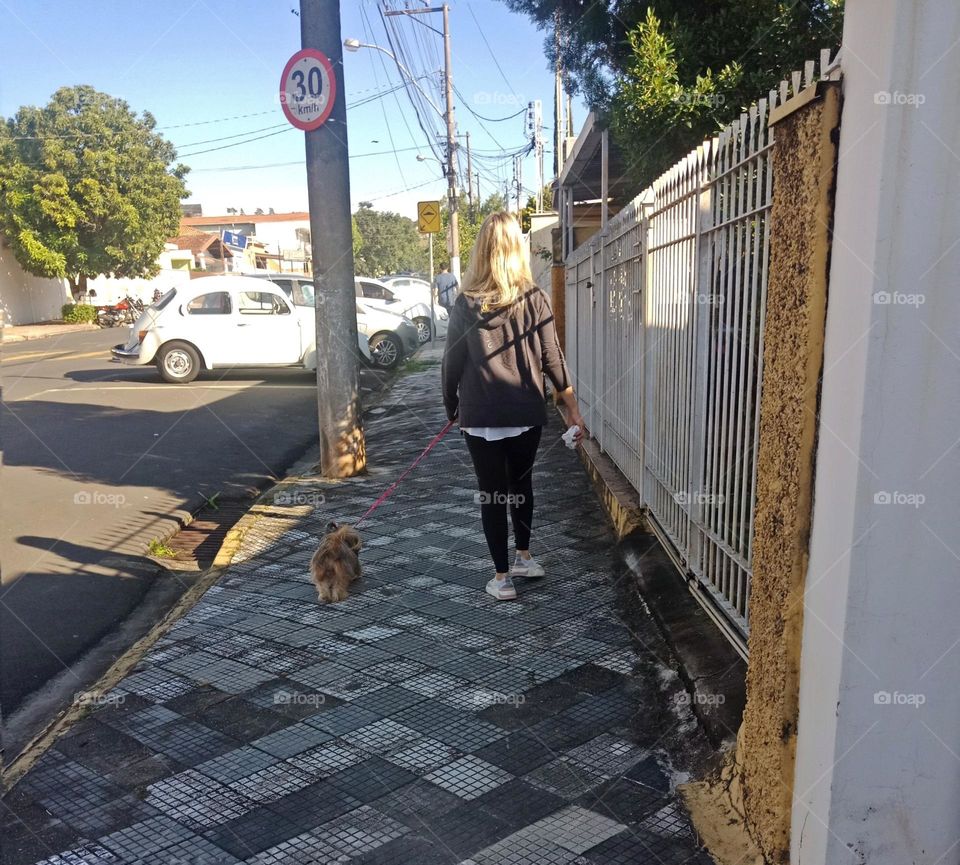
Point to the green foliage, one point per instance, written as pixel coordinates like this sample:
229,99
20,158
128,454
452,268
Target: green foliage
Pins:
87,188
159,550
669,73
78,313
357,238
385,242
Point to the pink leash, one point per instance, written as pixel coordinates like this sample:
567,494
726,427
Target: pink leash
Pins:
410,468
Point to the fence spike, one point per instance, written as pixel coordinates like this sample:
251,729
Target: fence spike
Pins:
796,77
808,69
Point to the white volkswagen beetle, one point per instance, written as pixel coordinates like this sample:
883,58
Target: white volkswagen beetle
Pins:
223,321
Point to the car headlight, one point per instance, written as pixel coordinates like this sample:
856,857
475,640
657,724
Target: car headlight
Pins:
442,315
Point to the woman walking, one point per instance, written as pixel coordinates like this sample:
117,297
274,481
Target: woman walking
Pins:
501,340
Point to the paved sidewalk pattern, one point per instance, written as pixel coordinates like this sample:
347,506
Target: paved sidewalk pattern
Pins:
418,722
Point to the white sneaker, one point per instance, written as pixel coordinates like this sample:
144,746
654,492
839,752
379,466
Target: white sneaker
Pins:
529,568
502,590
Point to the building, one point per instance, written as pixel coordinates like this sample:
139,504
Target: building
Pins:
283,239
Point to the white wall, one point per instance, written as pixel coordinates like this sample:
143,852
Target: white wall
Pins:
540,238
280,236
27,299
878,782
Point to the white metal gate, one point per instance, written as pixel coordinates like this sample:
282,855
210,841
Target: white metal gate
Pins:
665,313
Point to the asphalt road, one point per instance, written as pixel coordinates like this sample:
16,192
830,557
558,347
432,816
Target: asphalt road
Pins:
98,459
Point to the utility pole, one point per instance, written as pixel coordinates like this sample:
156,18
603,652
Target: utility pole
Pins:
451,150
558,124
518,180
451,171
342,447
469,176
479,199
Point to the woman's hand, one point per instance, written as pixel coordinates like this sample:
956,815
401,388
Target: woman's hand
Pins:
574,418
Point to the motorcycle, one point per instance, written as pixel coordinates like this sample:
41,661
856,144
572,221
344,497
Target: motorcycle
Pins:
125,312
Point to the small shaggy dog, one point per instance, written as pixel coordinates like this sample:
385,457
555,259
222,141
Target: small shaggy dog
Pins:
336,564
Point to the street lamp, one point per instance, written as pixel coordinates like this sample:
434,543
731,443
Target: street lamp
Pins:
355,45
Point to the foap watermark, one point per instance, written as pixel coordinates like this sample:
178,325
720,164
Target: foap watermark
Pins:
910,100
898,298
896,497
895,698
299,698
498,699
288,498
496,97
699,498
699,299
498,498
92,698
685,698
97,497
713,100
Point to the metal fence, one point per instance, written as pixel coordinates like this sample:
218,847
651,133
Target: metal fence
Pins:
665,315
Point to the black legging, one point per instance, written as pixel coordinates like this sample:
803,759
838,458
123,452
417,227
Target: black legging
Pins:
505,475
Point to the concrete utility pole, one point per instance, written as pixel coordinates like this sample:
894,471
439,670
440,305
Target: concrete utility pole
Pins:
451,150
469,176
558,124
451,170
342,447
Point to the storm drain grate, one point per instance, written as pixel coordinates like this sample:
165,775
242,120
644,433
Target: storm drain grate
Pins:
198,543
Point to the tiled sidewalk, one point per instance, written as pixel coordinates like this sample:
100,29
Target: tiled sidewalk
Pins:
418,722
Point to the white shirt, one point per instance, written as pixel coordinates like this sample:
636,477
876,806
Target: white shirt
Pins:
495,433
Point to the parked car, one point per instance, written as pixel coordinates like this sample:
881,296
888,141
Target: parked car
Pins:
222,321
391,336
410,296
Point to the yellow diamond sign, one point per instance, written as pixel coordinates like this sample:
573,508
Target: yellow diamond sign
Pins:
428,216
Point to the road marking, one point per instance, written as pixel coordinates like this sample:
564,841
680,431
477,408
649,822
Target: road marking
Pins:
56,355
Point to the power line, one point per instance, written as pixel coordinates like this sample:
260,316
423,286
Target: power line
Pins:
235,135
237,143
483,36
301,162
383,111
495,119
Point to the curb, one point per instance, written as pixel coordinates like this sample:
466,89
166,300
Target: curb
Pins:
60,330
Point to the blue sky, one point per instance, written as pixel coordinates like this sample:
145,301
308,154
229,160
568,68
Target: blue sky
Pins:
190,62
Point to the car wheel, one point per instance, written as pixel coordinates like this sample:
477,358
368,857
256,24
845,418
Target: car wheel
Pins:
178,363
423,329
386,349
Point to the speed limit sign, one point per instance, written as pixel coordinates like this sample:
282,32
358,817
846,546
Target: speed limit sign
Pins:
308,89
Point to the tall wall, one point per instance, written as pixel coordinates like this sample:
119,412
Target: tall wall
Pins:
803,163
878,754
27,299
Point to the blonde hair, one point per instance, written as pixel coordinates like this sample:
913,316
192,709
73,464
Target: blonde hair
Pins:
499,269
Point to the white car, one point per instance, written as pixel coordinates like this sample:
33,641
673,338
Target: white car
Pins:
391,336
411,297
223,321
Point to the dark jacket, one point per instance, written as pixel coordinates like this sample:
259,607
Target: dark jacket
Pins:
494,362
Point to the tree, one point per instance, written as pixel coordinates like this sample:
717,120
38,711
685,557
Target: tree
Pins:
87,188
668,73
388,242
